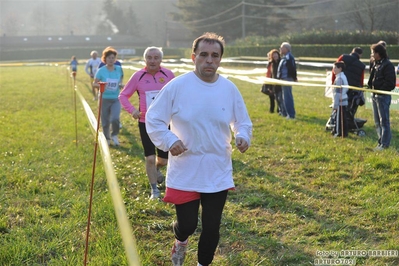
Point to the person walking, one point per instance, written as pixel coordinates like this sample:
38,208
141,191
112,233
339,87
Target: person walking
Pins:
73,64
383,78
117,63
111,107
287,71
202,108
147,82
91,69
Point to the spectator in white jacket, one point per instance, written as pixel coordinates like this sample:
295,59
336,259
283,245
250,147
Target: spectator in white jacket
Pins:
340,100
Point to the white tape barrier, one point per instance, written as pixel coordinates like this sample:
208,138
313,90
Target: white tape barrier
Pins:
125,228
246,74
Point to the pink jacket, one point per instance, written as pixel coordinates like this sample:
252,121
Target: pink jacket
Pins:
147,87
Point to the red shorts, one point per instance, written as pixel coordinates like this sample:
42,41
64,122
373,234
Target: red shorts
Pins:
178,197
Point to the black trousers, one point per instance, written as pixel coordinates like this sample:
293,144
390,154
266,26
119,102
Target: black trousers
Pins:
212,205
272,103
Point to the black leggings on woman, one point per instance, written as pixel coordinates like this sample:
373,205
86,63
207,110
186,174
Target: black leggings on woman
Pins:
187,219
272,104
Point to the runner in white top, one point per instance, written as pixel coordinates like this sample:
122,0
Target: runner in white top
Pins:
91,69
202,109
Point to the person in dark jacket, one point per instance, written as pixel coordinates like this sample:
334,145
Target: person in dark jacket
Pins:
274,60
287,71
383,43
354,72
382,78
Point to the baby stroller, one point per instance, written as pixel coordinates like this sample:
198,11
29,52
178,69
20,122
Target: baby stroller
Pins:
355,99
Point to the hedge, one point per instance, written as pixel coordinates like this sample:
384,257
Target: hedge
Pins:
302,50
309,50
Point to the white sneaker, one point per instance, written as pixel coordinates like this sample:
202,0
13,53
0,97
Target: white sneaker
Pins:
115,140
178,253
380,147
155,194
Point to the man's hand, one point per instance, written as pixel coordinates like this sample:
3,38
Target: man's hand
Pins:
136,114
241,144
177,148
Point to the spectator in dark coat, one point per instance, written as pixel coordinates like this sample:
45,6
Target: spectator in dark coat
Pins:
383,43
382,78
287,71
354,71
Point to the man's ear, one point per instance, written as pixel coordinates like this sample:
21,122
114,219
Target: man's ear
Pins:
193,57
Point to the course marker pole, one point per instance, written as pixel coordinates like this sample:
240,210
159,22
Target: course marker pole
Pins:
122,218
73,74
102,88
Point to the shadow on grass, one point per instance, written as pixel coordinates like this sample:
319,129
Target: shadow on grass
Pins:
270,217
132,147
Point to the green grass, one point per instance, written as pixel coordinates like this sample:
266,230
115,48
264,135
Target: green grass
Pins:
299,190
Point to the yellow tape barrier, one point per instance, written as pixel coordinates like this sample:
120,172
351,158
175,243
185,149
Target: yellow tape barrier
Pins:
293,83
125,228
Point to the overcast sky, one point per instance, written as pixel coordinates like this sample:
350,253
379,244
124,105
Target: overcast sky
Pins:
80,16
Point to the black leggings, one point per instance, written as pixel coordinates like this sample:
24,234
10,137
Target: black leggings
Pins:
272,104
187,219
149,147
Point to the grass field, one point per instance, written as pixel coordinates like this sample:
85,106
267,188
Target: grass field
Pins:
300,192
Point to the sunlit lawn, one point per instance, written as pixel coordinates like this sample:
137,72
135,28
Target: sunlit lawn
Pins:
299,191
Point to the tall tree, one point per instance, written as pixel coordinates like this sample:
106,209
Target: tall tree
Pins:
236,18
116,21
361,15
41,19
132,25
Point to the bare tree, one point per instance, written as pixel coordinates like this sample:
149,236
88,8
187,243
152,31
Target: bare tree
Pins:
369,15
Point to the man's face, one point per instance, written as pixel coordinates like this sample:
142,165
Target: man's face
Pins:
207,59
153,61
283,50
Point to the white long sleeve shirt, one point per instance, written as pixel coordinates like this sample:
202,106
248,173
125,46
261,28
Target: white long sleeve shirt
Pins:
92,66
340,95
202,115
